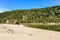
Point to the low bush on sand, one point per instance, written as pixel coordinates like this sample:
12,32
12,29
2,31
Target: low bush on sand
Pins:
47,27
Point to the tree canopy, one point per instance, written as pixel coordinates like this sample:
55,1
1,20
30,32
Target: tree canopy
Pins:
37,15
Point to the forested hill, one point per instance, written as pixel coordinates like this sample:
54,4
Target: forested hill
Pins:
37,15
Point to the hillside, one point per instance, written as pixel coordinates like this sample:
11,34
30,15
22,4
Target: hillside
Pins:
37,15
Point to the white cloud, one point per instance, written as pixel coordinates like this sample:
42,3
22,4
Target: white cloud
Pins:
3,9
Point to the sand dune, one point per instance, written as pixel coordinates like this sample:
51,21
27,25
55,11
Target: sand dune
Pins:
20,32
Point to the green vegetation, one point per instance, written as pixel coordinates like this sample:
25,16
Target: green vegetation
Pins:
47,27
37,15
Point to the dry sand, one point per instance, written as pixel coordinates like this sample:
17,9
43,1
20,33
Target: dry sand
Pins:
24,33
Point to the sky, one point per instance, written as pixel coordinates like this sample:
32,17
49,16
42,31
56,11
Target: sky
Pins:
6,5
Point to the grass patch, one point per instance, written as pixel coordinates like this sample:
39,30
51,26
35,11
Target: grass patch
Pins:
47,27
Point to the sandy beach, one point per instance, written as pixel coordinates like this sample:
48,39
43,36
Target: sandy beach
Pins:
20,32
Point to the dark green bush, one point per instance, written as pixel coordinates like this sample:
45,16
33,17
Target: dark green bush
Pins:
47,27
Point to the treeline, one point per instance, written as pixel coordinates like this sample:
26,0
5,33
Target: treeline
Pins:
37,15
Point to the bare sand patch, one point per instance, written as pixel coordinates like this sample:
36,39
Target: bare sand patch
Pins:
24,33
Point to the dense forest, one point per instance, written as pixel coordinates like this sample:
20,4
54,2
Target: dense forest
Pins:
37,15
